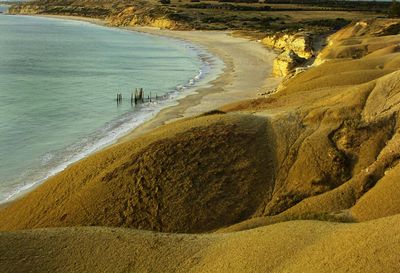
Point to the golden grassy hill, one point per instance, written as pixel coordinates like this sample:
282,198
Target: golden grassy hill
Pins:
296,247
325,147
336,128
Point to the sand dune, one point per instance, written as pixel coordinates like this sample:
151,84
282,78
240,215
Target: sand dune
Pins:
325,147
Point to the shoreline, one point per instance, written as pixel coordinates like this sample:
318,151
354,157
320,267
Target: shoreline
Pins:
245,72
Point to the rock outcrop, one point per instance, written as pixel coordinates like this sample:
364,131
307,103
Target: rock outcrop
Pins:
299,43
286,62
296,50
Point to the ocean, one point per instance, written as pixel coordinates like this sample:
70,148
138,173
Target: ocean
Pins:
58,86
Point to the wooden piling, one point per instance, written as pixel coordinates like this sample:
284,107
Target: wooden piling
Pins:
141,94
136,96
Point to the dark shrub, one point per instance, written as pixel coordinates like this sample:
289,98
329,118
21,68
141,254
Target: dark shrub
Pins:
394,10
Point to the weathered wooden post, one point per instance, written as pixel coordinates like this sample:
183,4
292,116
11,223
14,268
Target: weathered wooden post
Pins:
136,96
142,94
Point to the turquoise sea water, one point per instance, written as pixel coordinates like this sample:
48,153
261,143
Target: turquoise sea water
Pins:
58,83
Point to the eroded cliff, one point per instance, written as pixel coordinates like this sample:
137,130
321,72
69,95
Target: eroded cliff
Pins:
296,49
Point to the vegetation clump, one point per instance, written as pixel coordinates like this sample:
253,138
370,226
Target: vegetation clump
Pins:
394,10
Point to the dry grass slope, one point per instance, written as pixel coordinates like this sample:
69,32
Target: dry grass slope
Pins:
301,246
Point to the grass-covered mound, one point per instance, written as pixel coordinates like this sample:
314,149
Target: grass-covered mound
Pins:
192,176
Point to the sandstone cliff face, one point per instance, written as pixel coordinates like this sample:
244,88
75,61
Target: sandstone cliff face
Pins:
286,62
297,49
300,43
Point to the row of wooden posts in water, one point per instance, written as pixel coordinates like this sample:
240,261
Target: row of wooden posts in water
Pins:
138,97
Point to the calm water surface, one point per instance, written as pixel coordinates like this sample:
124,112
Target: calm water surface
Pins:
58,83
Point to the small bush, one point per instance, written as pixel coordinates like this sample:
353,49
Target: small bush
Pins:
394,10
212,112
335,24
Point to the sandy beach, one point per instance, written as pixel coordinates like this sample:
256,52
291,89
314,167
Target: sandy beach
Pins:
248,68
